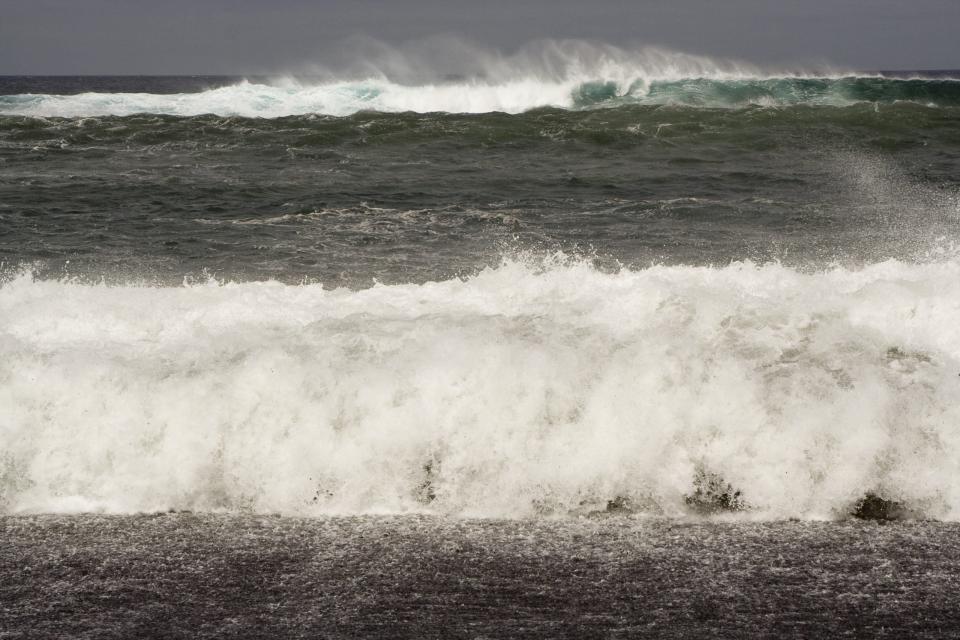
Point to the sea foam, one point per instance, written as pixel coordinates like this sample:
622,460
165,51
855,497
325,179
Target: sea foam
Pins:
541,75
559,74
259,100
531,388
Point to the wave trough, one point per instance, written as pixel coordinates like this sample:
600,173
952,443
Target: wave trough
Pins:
529,388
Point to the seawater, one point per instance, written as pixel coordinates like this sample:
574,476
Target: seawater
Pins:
534,293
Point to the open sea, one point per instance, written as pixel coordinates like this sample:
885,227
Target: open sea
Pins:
660,349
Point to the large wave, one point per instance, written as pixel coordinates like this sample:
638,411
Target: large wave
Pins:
530,388
345,98
569,75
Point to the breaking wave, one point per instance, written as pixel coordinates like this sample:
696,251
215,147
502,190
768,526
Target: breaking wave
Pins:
344,98
534,387
567,75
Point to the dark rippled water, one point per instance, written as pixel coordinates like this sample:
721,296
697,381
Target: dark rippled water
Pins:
188,576
418,196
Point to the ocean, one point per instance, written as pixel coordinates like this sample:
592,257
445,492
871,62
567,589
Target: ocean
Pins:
553,321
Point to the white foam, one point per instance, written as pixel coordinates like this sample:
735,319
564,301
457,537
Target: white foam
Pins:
338,99
524,389
546,74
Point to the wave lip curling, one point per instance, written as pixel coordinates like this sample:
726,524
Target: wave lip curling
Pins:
559,74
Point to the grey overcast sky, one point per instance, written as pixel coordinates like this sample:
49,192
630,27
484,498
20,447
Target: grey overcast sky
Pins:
248,36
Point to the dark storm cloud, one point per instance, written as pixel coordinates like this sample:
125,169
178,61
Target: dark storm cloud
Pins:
244,36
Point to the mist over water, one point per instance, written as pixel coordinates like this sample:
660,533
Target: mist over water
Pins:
453,77
542,284
342,98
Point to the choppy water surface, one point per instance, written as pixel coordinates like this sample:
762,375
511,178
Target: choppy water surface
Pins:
188,576
511,296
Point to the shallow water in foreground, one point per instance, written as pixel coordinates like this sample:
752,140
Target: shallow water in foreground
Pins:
203,576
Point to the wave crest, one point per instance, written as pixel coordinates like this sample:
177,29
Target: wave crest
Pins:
345,98
565,74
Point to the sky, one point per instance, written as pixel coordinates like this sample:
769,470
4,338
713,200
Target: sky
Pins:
236,37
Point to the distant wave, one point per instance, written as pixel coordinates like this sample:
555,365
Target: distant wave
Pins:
546,387
345,98
567,75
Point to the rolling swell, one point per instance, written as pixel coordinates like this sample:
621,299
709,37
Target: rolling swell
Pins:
252,99
409,197
534,387
624,125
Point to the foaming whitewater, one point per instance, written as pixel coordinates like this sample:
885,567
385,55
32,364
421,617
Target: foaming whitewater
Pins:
258,100
337,99
541,75
563,74
527,389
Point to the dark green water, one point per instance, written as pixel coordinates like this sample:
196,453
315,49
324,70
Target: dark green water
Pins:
410,197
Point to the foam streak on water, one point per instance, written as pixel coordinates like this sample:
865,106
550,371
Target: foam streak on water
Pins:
529,388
